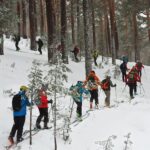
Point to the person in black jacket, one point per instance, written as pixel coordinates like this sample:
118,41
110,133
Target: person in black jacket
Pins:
123,68
16,39
40,45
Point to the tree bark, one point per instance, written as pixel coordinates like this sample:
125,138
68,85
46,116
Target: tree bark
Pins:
148,23
78,23
50,28
1,43
72,22
88,59
24,23
18,15
135,37
112,20
41,18
93,24
63,31
32,25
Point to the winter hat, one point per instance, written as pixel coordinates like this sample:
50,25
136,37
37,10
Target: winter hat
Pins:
23,88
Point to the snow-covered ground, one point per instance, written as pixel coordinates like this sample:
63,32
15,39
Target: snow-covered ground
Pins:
93,132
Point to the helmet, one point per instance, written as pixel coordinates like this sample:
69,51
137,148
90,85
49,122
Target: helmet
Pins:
23,88
108,77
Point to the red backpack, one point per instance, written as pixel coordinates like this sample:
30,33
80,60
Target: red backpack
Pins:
105,85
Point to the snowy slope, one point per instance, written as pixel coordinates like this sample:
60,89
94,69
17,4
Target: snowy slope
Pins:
129,117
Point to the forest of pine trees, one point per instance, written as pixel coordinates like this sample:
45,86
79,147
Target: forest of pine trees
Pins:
113,27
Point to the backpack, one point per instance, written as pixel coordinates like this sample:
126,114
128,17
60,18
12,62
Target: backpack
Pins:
105,84
91,82
16,102
75,92
131,77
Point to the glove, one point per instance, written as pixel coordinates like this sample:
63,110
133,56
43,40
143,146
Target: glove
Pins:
50,101
115,85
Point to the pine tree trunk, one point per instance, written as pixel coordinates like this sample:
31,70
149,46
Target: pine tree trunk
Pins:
78,23
148,23
112,20
50,28
1,34
18,15
135,37
1,43
93,25
32,25
72,22
63,31
101,27
24,23
88,59
35,17
41,17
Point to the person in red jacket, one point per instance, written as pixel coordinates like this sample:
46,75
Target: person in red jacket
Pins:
43,108
139,67
131,80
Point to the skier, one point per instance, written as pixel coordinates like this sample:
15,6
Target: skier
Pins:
92,82
124,68
43,108
106,84
40,45
95,56
17,40
131,80
76,92
124,58
76,51
19,117
139,67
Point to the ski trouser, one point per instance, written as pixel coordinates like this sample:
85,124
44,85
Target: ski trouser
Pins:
75,56
107,99
124,76
40,49
43,113
17,126
132,87
95,59
16,44
79,108
94,95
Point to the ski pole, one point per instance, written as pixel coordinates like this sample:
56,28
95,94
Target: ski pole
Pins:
124,88
143,88
116,93
145,73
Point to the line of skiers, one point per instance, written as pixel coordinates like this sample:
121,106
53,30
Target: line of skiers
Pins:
90,86
16,39
132,77
19,103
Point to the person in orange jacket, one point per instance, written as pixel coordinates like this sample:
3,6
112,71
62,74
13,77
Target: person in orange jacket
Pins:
43,108
92,83
131,80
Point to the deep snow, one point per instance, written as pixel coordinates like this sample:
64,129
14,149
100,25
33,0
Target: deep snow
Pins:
129,117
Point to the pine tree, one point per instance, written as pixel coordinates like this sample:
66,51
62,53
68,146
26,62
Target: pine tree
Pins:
55,79
35,79
35,82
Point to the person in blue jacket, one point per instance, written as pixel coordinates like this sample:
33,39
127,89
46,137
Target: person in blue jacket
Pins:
76,91
19,116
